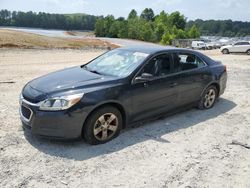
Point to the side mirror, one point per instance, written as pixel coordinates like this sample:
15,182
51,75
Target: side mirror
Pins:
144,77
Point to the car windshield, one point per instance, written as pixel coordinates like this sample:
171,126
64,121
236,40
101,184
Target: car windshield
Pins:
118,62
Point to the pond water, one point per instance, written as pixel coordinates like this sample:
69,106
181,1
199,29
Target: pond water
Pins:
48,32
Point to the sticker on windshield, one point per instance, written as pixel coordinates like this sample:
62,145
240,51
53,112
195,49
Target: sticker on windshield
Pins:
141,54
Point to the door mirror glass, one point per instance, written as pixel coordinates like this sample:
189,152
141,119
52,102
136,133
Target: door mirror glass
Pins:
144,77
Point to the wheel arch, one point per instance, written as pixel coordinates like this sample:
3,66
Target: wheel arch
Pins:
114,104
216,84
226,49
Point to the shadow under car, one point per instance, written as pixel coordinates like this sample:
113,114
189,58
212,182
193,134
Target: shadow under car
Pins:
79,150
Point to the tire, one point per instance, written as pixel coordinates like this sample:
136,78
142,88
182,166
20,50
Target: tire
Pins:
208,98
248,52
225,51
98,130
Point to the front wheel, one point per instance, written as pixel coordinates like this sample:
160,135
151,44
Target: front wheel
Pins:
248,52
103,125
225,51
208,98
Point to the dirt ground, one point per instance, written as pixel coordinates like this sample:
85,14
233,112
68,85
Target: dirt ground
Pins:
189,149
18,39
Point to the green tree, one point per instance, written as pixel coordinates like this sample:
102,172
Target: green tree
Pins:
133,28
178,20
162,18
147,14
114,29
123,29
159,31
108,22
146,32
221,27
167,38
99,28
45,20
194,32
132,14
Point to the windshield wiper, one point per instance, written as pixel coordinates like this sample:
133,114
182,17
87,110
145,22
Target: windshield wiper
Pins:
93,71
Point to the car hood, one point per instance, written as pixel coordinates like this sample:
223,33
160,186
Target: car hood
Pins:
64,80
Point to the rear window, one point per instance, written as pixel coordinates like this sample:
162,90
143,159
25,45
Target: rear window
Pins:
187,61
242,43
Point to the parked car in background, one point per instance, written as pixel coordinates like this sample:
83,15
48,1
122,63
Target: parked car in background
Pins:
121,87
212,45
238,47
198,45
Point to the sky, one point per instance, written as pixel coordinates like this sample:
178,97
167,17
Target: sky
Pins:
193,9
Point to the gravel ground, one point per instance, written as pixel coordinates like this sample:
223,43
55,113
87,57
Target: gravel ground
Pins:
189,149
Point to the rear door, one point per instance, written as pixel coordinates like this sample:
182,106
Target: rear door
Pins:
155,96
240,47
245,46
192,75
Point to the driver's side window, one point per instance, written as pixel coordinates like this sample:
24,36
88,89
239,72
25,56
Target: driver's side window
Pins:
158,66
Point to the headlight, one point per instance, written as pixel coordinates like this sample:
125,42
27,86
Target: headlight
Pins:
60,103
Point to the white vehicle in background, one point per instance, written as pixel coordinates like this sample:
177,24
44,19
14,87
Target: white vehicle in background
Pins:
198,45
238,47
212,45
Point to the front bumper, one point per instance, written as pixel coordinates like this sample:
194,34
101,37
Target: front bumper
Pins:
65,124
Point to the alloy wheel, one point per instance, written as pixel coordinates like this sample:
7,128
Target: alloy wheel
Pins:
210,98
105,126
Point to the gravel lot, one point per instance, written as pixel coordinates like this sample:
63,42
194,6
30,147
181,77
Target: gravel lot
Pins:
189,149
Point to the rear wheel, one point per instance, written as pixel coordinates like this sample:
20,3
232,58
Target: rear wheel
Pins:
208,98
248,52
225,51
103,125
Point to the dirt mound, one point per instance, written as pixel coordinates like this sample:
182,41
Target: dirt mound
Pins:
18,39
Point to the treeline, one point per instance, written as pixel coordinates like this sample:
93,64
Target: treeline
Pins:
226,28
47,21
147,26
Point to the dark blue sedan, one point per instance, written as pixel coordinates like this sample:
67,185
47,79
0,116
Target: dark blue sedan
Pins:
118,88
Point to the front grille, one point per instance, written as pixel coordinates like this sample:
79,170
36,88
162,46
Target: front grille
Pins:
26,112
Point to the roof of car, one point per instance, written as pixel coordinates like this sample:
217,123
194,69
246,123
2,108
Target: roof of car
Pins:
152,49
149,49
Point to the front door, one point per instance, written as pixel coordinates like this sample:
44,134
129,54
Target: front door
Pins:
156,95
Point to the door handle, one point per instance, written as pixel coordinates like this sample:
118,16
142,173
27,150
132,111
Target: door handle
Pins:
173,84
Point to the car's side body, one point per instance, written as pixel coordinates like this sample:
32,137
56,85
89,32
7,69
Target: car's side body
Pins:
198,45
135,99
239,47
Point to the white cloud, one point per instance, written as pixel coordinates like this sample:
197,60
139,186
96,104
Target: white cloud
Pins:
193,9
